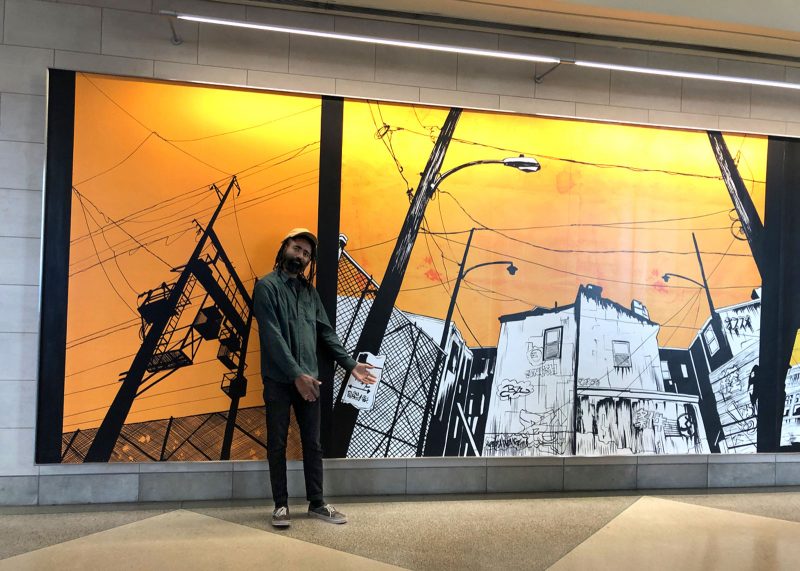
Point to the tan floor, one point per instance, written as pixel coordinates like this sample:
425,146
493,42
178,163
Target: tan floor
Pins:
188,540
730,531
656,534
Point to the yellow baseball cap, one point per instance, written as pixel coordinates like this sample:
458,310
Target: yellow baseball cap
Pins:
302,233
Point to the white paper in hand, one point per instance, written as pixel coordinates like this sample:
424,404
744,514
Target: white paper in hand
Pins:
361,395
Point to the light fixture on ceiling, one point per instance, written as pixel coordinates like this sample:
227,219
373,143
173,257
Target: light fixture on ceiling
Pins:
688,74
364,39
499,54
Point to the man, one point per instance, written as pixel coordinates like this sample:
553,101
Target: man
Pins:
291,322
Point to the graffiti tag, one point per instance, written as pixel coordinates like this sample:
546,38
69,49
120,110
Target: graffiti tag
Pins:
511,389
735,324
549,368
507,442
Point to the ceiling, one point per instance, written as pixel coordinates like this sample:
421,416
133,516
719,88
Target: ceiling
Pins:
743,27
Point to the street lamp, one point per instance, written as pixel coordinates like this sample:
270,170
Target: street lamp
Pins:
440,355
521,163
703,285
716,320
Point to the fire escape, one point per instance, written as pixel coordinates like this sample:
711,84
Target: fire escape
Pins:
170,341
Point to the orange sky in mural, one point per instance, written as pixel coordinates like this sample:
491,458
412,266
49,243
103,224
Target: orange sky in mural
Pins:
143,144
145,153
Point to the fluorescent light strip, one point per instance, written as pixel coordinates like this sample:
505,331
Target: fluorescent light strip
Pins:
365,39
479,52
688,74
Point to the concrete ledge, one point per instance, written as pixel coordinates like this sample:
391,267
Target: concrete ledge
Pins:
530,478
741,475
183,467
364,481
469,479
19,490
247,480
600,476
362,463
89,468
672,476
741,458
787,474
159,487
251,485
673,459
88,489
524,461
600,460
444,462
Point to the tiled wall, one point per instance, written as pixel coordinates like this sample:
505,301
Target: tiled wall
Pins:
128,37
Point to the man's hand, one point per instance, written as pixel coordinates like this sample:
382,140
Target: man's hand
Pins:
362,373
308,387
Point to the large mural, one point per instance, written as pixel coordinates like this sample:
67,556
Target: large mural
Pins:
530,286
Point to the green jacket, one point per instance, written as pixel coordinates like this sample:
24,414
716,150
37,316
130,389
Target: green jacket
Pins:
290,324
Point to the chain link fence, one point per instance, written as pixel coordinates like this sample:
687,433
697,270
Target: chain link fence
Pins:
186,439
393,428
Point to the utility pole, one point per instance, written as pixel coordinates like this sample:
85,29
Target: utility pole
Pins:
703,276
742,202
716,320
345,416
441,357
435,444
147,359
773,246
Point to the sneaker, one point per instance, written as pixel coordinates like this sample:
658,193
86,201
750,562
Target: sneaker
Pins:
327,513
280,517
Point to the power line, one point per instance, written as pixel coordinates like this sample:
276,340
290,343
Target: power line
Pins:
118,164
173,145
384,134
116,328
94,246
103,334
590,277
576,251
575,161
105,239
241,239
132,237
191,194
183,214
251,127
249,204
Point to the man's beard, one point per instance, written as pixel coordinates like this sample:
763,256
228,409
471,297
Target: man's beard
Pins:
294,266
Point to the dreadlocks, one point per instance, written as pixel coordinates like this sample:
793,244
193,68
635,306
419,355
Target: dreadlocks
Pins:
312,265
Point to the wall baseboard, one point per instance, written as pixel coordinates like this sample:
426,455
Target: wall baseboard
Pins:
246,480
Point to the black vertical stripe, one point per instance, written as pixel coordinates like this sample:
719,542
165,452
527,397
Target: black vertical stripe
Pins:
55,264
330,194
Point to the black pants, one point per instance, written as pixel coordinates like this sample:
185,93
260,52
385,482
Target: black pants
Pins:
279,397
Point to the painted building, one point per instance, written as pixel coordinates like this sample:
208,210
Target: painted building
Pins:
467,439
790,429
454,373
586,379
728,364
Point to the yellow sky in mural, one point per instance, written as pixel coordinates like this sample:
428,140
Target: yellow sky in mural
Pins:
610,207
